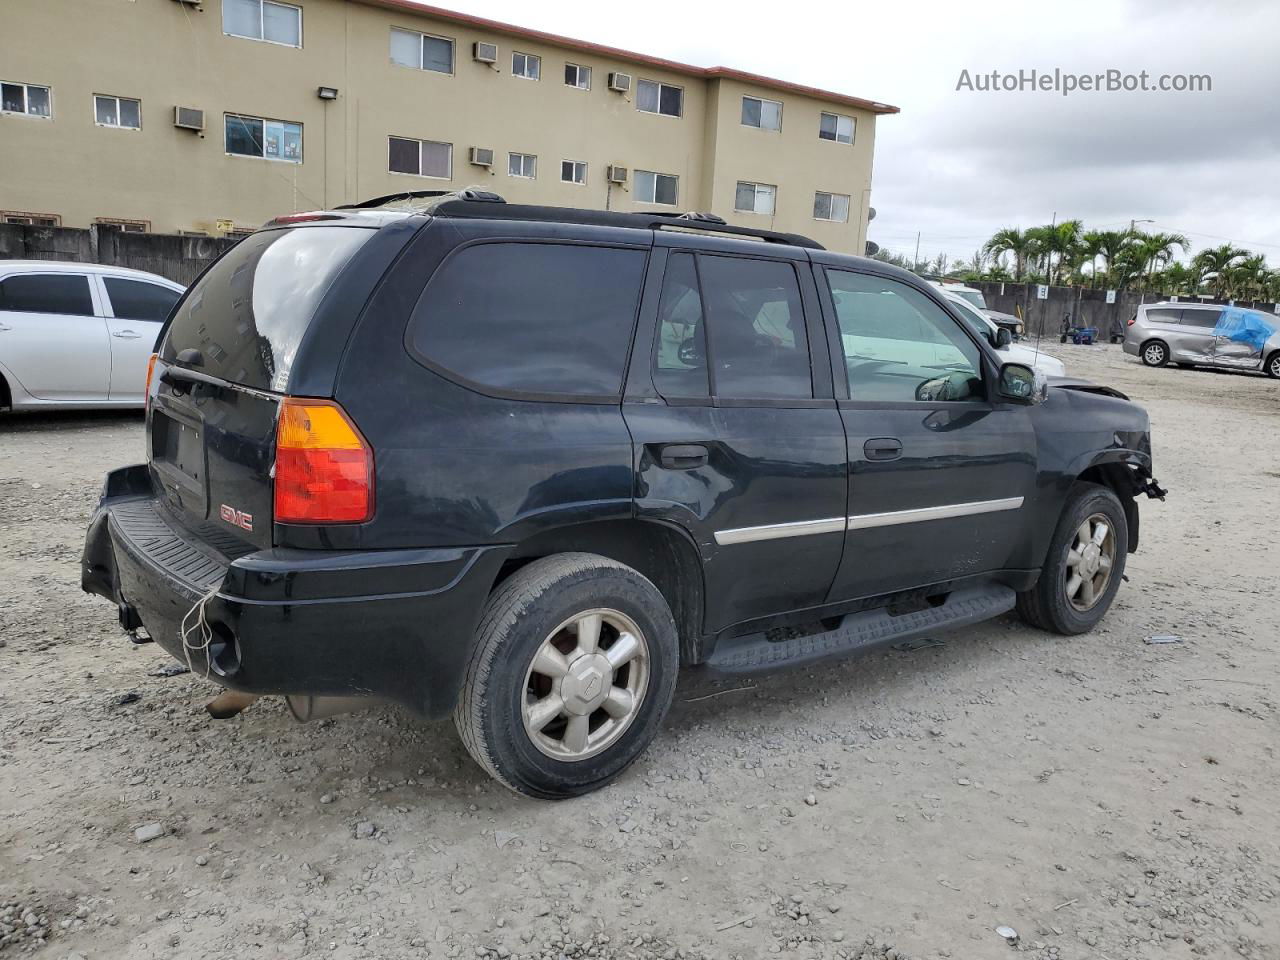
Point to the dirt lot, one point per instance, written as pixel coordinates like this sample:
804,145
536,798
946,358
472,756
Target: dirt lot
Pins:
1104,797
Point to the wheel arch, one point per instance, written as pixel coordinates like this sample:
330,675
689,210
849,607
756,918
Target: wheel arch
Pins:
1271,358
1117,476
660,552
6,395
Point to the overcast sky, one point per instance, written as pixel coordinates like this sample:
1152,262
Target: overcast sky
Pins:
958,165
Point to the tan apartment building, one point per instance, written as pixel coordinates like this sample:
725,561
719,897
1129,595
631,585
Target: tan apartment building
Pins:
211,116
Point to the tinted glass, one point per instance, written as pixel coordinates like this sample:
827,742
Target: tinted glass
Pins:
750,112
672,101
1163,315
680,359
1206,319
901,346
437,54
139,300
47,293
104,110
130,113
758,345
247,315
404,156
244,136
532,317
13,98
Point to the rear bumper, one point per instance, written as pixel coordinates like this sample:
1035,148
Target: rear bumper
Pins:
397,624
1130,345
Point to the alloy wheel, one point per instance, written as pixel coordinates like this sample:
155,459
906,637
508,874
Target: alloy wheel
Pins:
585,685
1155,354
1090,560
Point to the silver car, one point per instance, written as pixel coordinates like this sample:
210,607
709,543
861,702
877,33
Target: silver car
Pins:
1202,334
78,334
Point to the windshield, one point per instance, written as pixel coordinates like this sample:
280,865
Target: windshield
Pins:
973,296
247,315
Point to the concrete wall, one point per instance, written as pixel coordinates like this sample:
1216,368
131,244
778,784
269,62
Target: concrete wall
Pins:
165,54
1088,308
178,258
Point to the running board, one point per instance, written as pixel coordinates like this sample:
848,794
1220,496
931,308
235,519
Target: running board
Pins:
860,631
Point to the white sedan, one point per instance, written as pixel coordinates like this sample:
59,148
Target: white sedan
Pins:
78,334
985,327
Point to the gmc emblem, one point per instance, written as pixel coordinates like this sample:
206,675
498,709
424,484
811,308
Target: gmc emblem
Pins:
237,518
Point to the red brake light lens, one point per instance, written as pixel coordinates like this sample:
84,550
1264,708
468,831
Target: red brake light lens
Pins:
324,467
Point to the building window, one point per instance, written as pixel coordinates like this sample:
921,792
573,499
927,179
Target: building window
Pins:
577,76
765,114
126,226
270,139
834,126
755,198
526,65
25,98
522,165
117,112
421,51
831,206
573,171
657,187
30,219
421,158
263,20
654,97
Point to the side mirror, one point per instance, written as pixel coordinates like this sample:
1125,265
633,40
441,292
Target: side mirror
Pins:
1022,384
1003,337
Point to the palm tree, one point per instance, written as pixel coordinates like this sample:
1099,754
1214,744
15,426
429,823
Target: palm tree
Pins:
1155,250
1009,240
1091,244
1039,242
1064,240
1215,266
1249,277
1111,247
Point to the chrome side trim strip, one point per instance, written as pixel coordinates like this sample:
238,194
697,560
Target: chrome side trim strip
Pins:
867,520
777,531
807,528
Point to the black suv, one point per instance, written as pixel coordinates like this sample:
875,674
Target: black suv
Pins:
523,464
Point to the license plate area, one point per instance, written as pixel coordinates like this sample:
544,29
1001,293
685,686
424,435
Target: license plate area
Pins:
178,457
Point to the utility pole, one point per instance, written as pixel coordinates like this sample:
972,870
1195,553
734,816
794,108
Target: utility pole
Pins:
916,261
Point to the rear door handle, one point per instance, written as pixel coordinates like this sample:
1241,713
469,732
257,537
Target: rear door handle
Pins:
4,327
882,448
126,335
683,456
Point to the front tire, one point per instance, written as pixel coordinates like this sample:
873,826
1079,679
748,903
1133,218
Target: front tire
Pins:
573,670
1084,566
1155,354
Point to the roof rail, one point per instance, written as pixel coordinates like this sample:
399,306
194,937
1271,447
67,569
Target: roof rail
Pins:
472,194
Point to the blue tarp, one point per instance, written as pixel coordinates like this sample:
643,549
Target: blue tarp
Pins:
1245,326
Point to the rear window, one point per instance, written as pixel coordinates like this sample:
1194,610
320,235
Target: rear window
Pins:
249,313
532,318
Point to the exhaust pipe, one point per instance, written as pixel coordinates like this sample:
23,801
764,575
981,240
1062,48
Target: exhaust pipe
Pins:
310,707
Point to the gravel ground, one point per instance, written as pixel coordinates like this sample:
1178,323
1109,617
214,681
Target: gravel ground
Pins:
1103,797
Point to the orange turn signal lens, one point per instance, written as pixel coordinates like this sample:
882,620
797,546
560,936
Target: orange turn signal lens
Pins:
146,389
324,467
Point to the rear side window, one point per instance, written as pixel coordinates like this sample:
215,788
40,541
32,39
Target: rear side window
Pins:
1163,315
1199,318
47,293
139,300
532,318
247,315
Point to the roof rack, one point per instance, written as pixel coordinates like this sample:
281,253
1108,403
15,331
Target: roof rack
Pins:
477,203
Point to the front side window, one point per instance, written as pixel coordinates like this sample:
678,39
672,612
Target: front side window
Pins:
577,76
657,187
831,206
139,300
421,51
257,137
573,171
526,65
28,99
117,112
559,323
421,158
835,127
65,293
522,165
654,97
900,346
263,20
765,114
755,198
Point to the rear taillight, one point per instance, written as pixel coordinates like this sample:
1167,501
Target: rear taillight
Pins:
1133,320
324,468
146,390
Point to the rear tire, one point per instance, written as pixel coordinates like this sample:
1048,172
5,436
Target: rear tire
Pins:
543,709
1273,365
1155,353
1076,586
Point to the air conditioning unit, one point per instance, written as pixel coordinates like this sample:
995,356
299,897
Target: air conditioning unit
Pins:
482,156
188,118
617,174
485,52
621,82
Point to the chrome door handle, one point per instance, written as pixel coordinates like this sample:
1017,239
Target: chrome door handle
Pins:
4,327
126,335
